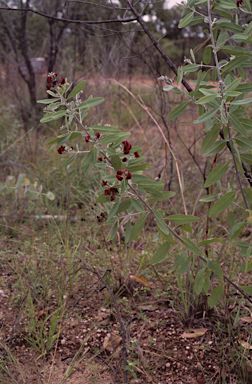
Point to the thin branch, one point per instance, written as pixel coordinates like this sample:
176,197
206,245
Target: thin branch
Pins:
157,45
69,20
98,5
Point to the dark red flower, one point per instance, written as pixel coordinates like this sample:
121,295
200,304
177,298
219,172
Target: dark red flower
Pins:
55,74
104,183
48,86
120,172
87,138
120,178
159,175
112,197
136,154
61,149
124,159
99,158
72,148
127,174
97,135
126,147
49,78
107,192
62,80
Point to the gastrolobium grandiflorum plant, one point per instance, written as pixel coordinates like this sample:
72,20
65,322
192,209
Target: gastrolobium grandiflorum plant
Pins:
220,97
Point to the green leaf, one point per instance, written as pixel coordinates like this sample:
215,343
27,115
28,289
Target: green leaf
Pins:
207,282
242,102
48,101
114,230
187,228
215,267
127,231
160,222
199,281
64,138
247,289
209,198
185,266
53,116
138,167
233,64
216,295
102,199
244,142
224,13
236,230
77,89
216,148
160,254
124,205
68,161
88,160
137,228
190,68
91,102
137,205
116,162
248,6
106,130
236,51
113,210
207,115
186,20
245,87
20,179
233,85
217,173
180,219
156,193
191,246
237,125
206,99
177,111
247,157
207,54
229,26
224,202
210,138
50,195
114,138
209,241
162,196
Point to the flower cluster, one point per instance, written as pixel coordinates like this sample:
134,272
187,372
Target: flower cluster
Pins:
61,149
121,172
111,192
126,147
52,80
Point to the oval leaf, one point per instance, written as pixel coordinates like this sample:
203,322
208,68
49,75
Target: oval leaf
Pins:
77,89
177,111
160,222
217,173
191,246
224,202
216,295
137,228
160,254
